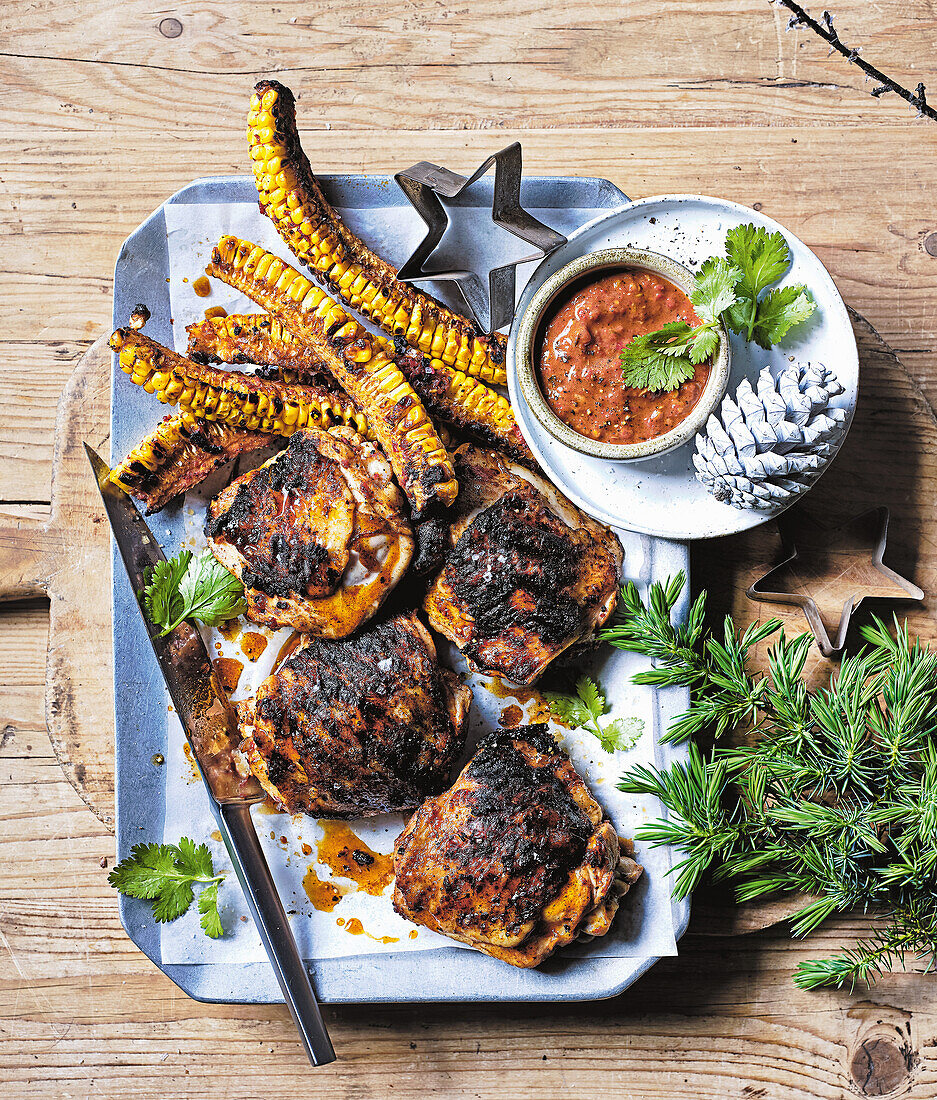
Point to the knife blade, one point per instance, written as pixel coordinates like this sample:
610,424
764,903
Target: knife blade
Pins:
211,729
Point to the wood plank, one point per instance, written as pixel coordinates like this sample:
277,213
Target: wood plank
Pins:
104,118
423,66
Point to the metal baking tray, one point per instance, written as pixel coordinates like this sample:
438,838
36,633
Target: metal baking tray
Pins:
450,974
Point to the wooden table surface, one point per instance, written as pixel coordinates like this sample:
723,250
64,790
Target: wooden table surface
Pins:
109,108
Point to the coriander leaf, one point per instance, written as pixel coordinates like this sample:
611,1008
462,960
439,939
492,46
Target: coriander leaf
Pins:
672,339
761,257
173,900
714,289
164,874
738,315
145,872
592,699
210,593
208,906
567,708
161,597
622,734
659,373
194,860
704,344
779,311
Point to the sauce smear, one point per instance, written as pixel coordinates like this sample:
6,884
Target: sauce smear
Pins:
347,855
580,369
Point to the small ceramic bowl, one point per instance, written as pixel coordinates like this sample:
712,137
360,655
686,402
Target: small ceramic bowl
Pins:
530,326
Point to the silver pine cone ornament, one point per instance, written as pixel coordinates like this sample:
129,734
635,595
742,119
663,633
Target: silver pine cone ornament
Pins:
773,441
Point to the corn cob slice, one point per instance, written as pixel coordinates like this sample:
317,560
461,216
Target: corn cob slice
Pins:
360,362
205,393
450,396
467,405
256,338
178,454
291,197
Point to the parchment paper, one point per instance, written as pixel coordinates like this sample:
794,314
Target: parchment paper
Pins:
644,925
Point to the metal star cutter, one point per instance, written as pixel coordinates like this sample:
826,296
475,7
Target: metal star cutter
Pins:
828,571
425,182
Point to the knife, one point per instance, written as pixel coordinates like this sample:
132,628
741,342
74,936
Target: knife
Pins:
211,729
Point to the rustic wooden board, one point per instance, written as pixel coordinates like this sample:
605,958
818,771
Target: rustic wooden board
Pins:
111,107
68,558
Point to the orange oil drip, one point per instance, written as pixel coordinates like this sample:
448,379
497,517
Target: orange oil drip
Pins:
528,698
414,934
347,855
229,671
289,646
323,895
230,629
252,644
355,928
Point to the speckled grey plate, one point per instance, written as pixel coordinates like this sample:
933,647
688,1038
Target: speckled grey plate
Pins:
450,974
661,496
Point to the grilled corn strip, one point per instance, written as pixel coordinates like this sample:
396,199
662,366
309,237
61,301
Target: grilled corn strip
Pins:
178,454
205,393
291,197
256,338
360,362
467,405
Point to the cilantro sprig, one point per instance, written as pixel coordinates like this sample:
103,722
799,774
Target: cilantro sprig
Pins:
164,874
583,711
733,288
187,587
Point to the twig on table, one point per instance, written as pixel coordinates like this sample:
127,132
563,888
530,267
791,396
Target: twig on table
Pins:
827,31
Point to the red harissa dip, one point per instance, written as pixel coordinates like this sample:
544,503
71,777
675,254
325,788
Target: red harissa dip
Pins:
580,369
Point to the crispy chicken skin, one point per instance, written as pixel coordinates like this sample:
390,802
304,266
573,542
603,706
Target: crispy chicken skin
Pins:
526,574
516,858
357,727
317,535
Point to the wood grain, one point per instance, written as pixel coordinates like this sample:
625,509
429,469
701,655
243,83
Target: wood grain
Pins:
104,117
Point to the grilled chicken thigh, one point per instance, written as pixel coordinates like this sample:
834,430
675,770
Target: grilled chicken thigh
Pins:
526,574
317,535
516,858
357,727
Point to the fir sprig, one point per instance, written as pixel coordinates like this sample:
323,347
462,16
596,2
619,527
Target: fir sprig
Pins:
834,796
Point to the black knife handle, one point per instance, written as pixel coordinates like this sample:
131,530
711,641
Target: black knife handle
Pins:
252,871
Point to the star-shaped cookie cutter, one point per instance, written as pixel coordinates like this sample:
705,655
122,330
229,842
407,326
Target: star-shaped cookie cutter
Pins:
425,182
815,544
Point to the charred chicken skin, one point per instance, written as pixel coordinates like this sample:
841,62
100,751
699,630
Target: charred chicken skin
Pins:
526,574
317,535
358,727
516,858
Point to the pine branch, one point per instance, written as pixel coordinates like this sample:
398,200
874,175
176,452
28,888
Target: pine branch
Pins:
837,796
885,84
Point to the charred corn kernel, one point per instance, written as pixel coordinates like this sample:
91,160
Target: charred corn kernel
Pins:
467,404
229,396
290,195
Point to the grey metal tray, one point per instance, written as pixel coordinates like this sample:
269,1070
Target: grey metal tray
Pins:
450,974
